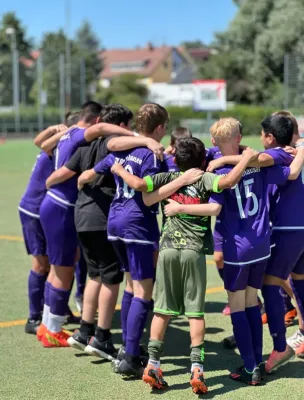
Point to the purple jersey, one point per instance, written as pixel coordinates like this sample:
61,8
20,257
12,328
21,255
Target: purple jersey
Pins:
212,154
129,219
287,211
67,192
36,190
168,165
244,217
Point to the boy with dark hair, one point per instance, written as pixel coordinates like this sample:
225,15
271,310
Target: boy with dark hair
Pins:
177,134
181,271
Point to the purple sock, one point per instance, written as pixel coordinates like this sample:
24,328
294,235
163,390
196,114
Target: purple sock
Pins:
81,276
298,289
47,288
287,300
243,338
35,294
58,301
137,318
256,327
125,307
221,273
274,307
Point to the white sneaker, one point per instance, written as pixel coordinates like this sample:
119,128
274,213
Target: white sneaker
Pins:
79,303
296,340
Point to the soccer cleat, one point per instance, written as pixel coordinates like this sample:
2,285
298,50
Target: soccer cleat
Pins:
264,318
154,377
41,332
32,326
79,303
57,339
78,340
300,351
226,311
197,381
277,359
131,366
296,340
229,342
289,317
250,378
101,349
143,354
71,318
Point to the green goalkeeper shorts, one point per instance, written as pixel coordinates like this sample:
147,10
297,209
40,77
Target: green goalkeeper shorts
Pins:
180,285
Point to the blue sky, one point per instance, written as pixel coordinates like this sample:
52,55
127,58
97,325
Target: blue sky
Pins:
128,23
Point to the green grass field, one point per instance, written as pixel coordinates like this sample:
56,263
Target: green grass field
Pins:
27,371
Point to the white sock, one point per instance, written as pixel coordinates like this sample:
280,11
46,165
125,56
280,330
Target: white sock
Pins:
55,323
197,365
155,363
45,315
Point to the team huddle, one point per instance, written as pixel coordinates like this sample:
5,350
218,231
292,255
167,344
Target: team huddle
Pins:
91,208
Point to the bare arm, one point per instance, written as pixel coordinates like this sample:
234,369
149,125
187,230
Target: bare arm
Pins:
127,143
86,177
47,133
61,175
52,142
189,177
104,129
297,164
263,160
206,210
133,181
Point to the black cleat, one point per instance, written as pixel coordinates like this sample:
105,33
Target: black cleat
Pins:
32,326
250,378
229,342
78,340
131,367
143,354
99,349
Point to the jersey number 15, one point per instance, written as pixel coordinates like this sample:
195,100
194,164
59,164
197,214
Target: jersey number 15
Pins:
248,194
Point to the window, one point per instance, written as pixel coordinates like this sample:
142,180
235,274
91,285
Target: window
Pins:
128,66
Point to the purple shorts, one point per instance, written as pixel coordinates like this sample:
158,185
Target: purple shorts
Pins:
57,221
33,235
218,240
238,277
287,255
136,258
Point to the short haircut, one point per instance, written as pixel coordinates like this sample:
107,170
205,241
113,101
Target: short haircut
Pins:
116,114
72,119
90,111
280,127
225,128
190,153
179,133
150,116
288,114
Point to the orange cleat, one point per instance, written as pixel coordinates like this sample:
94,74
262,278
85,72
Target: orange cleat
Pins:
41,332
58,339
277,359
290,316
264,318
154,377
197,381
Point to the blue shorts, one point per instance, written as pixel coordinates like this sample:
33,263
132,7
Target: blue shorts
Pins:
135,258
287,255
238,277
57,221
33,235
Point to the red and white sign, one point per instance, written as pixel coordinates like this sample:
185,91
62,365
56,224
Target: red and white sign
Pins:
210,95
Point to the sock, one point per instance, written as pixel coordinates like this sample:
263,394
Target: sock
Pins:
287,301
197,357
81,276
102,334
87,328
155,363
243,338
256,327
221,273
298,289
35,294
155,350
197,365
58,305
125,307
137,319
274,307
46,306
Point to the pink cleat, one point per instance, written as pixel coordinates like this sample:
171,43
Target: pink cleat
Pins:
277,359
226,311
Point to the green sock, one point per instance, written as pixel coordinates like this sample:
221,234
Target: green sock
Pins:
155,349
197,354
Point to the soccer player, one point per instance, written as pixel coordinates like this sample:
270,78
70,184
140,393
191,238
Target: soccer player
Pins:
178,133
57,219
133,229
247,244
181,270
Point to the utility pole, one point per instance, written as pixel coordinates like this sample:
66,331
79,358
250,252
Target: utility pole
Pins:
15,71
68,54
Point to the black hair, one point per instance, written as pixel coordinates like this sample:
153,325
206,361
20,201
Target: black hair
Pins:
72,118
179,133
190,153
90,111
116,114
280,127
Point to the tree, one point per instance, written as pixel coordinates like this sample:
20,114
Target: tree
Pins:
194,44
24,46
